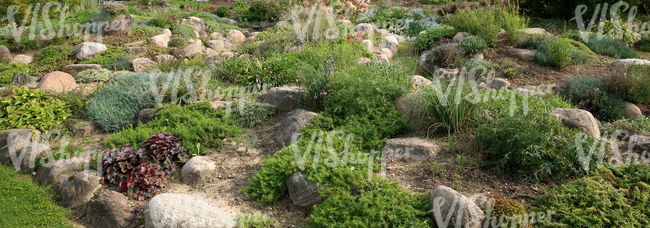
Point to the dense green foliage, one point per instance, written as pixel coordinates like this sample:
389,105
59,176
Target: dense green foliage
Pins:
473,45
52,58
93,75
32,109
611,197
430,37
486,22
610,47
631,84
558,52
108,58
590,94
25,204
9,71
200,126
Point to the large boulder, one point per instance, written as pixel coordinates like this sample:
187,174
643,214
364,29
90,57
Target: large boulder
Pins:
160,40
413,148
460,37
88,50
110,209
523,54
236,36
27,158
5,54
578,119
177,210
79,188
136,52
216,45
74,69
452,209
285,98
120,26
625,63
536,31
141,64
197,23
631,111
22,59
410,107
302,191
53,172
292,123
57,82
198,169
12,140
193,49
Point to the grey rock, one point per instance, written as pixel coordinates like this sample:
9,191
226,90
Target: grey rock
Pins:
22,59
523,54
88,50
631,111
141,64
292,123
177,53
108,210
170,210
625,63
75,69
53,172
499,83
164,58
79,188
12,140
22,79
145,116
84,128
160,40
193,49
4,53
460,37
414,148
444,198
120,26
136,52
197,170
285,98
302,191
578,119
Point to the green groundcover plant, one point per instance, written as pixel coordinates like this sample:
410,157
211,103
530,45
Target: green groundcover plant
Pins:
200,125
33,109
610,197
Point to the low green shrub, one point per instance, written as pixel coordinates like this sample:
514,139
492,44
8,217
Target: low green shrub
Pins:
590,94
631,84
115,106
223,11
256,220
639,126
473,45
263,10
559,52
610,47
439,2
611,197
480,68
178,42
481,22
108,58
430,37
32,109
220,27
92,75
252,112
77,102
547,152
122,62
618,30
183,30
200,126
9,71
443,56
52,58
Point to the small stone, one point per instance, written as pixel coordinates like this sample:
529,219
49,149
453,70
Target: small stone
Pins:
302,191
141,64
197,170
22,59
79,188
136,52
499,83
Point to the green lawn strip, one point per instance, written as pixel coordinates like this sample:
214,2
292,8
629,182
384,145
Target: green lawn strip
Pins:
25,204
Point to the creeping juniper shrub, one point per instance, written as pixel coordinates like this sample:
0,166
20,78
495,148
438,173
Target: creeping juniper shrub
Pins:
430,37
611,196
548,153
200,126
182,30
93,75
223,11
249,113
52,58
